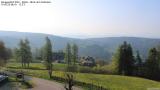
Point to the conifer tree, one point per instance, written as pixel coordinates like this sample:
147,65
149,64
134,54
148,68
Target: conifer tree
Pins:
28,52
3,54
48,56
152,64
68,54
24,53
74,53
21,53
138,64
125,60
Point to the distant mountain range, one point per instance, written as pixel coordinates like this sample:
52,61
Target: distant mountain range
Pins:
102,48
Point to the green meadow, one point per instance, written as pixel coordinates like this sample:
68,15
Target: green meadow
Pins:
111,82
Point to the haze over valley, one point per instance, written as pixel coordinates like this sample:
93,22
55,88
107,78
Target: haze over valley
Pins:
101,48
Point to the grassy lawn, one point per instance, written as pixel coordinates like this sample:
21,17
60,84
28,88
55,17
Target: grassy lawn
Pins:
111,82
37,66
32,66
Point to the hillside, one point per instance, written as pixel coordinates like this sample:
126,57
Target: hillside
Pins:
97,47
116,82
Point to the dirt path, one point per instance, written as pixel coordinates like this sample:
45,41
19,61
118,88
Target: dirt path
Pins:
41,84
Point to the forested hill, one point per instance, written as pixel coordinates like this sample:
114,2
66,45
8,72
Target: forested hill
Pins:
96,47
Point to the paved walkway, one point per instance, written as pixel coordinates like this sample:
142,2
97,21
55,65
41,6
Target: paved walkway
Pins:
42,84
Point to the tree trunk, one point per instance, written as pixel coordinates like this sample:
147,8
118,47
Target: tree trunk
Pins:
50,71
22,64
28,64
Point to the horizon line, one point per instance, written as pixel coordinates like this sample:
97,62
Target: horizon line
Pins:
84,36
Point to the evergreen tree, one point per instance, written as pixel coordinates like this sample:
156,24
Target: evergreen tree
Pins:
28,52
158,50
16,54
71,55
138,64
125,59
48,56
21,52
37,54
3,54
9,53
68,54
24,53
152,64
74,53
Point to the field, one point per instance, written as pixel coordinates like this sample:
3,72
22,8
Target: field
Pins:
111,82
36,66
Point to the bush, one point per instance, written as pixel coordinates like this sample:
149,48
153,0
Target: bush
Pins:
85,69
100,70
27,84
72,68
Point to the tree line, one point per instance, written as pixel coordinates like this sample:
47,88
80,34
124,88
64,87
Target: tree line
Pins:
24,54
125,63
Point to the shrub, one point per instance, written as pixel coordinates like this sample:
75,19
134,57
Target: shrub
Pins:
85,69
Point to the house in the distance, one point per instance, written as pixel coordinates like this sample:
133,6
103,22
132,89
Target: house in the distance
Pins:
87,61
58,57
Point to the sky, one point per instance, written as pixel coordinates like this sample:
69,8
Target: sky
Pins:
85,18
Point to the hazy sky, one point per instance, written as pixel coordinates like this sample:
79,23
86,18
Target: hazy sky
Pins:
85,18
